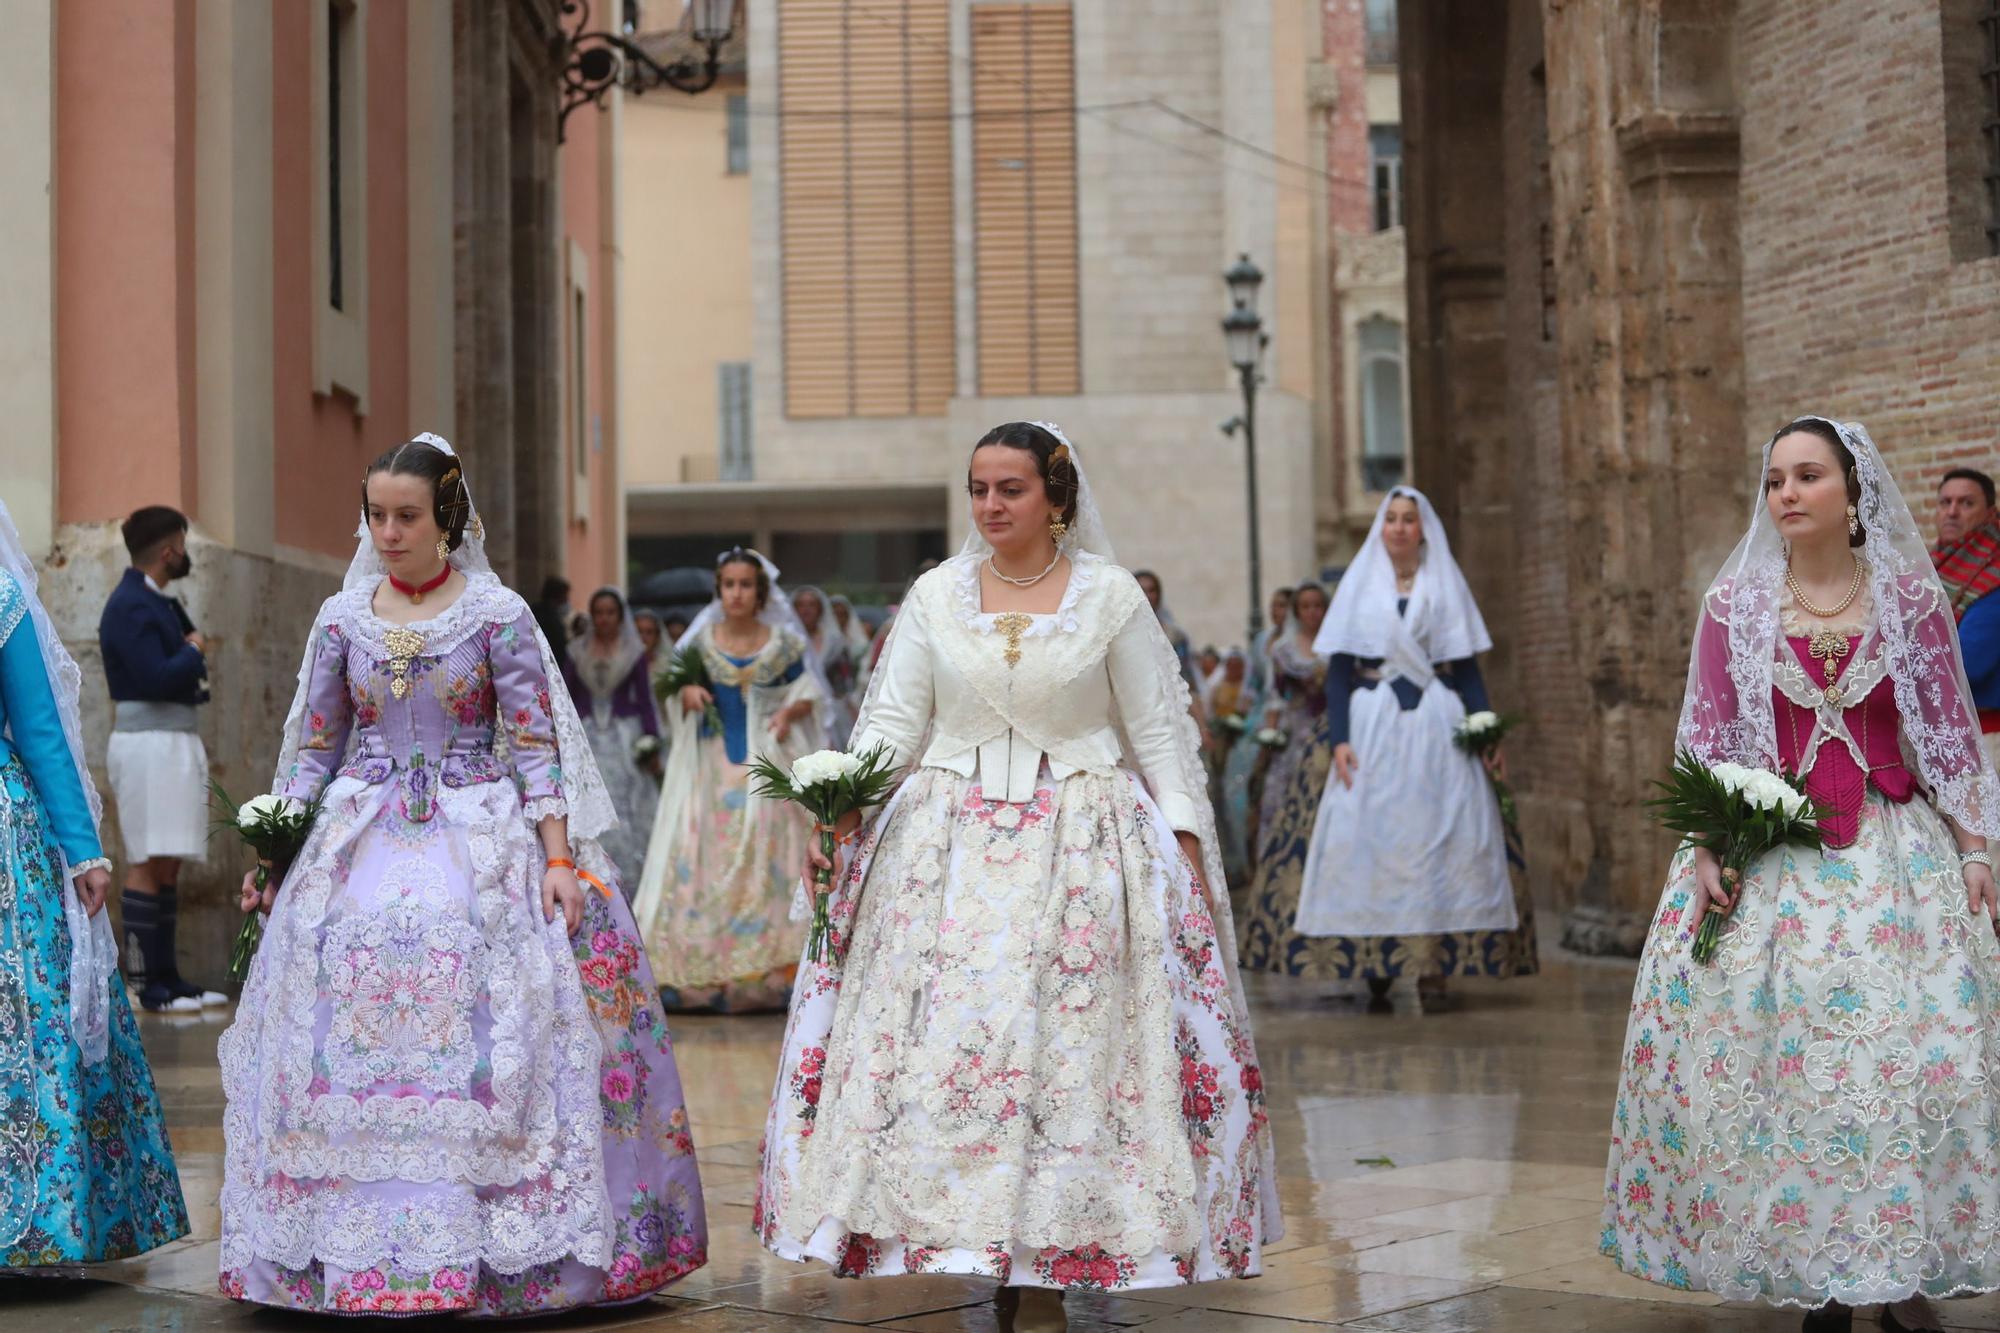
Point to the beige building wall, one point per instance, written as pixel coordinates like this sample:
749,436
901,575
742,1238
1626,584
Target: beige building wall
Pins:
1163,206
684,284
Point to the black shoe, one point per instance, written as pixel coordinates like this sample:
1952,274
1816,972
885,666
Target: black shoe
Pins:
1891,1324
182,989
157,998
1833,1317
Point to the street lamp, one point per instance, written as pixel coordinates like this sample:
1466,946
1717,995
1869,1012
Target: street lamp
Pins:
593,63
1243,332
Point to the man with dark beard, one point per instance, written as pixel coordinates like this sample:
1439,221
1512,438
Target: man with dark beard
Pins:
1968,563
155,664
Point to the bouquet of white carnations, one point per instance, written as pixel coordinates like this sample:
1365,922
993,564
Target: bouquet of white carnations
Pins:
1273,739
645,749
687,668
1480,735
830,784
1233,723
1738,813
274,827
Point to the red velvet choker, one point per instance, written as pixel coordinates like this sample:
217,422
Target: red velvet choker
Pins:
415,593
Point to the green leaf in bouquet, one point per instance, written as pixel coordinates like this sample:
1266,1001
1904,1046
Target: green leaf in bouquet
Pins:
684,669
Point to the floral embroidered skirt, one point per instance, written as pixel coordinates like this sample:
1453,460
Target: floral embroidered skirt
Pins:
634,792
1812,1116
436,1100
1029,1064
725,939
1271,942
85,1171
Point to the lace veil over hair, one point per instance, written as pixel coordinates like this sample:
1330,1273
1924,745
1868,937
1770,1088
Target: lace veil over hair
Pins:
778,613
1442,616
1088,534
625,651
486,599
1727,712
93,951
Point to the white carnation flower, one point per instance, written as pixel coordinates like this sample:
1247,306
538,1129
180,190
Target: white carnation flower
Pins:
258,808
1478,724
1733,777
823,766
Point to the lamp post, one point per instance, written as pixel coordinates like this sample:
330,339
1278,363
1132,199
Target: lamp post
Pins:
1243,332
593,63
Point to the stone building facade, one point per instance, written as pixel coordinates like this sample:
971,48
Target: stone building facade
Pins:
1047,197
1712,215
293,236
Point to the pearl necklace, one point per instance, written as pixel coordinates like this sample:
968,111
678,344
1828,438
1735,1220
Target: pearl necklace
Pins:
1026,582
1823,613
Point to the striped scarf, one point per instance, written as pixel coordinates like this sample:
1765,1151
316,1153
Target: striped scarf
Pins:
1970,569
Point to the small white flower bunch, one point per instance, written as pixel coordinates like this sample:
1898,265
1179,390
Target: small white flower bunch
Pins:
825,766
1478,724
258,810
1763,789
645,748
1271,737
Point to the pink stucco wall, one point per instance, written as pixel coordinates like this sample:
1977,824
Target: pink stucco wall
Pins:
322,443
592,557
125,396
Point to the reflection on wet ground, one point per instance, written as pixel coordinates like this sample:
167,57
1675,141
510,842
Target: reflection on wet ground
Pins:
1438,1173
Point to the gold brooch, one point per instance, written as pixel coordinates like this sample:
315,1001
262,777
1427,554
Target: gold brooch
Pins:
1827,646
1013,625
404,645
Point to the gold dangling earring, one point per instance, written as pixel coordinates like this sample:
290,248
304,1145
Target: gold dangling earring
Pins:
1058,529
444,549
1853,522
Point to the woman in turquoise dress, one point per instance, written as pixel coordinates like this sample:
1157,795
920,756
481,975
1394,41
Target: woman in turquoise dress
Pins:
85,1172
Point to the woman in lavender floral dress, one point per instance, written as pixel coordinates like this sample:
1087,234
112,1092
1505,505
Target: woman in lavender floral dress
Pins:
449,1083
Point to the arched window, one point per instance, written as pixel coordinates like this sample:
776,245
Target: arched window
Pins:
1384,439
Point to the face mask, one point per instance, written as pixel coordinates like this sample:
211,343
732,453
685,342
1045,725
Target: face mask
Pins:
178,568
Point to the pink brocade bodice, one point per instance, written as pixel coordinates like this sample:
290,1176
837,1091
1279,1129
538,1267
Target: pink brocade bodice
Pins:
1867,749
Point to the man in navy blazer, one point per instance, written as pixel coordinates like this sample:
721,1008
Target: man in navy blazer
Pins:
156,664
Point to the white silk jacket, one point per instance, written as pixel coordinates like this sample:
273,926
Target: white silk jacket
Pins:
996,694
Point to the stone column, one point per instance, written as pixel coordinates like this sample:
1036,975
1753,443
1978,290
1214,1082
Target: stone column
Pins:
1453,175
28,275
1655,463
482,269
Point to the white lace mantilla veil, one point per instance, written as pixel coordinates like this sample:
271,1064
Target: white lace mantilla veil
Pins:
625,654
778,613
590,809
1442,617
93,951
1727,713
1088,534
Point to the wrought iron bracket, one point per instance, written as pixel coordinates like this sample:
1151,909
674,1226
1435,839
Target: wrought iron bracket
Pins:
593,63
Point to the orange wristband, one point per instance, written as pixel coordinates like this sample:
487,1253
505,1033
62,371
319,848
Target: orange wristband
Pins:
564,863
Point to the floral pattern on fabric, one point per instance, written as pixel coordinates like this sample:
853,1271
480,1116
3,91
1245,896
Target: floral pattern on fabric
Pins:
436,1099
1270,943
723,863
1813,1116
86,1174
1022,1060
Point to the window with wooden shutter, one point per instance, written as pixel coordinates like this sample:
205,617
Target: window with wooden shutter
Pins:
1024,198
864,92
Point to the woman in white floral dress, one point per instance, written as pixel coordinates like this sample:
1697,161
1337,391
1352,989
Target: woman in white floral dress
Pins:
1027,1056
1810,1119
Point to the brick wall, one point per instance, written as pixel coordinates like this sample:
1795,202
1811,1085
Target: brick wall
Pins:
1853,301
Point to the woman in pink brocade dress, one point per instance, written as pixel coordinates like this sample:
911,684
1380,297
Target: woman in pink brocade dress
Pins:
1810,1118
449,1084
